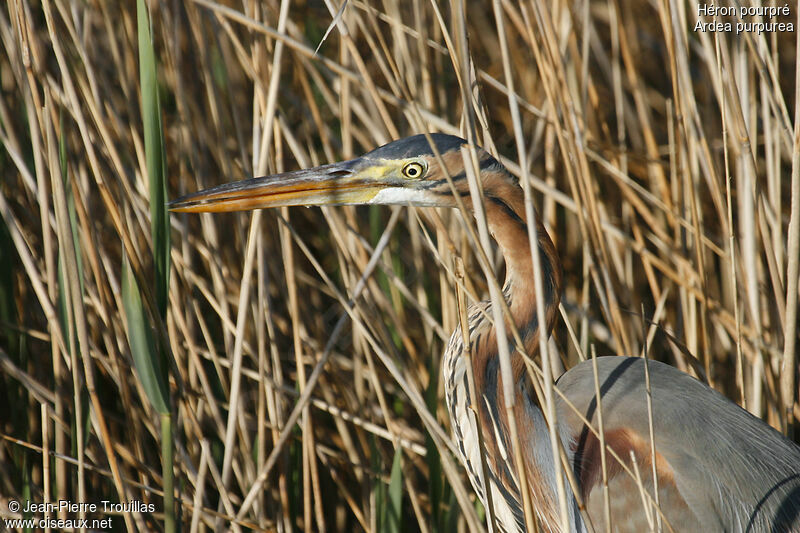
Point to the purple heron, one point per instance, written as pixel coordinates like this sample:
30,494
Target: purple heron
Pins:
717,467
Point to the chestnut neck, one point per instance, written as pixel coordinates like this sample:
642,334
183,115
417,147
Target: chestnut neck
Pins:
505,216
507,222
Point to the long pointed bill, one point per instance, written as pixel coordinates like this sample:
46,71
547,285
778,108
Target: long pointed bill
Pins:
335,184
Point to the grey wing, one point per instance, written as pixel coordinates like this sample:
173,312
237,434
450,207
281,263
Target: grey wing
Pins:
718,467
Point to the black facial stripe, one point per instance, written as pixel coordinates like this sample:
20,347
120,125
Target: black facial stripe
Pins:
436,183
505,207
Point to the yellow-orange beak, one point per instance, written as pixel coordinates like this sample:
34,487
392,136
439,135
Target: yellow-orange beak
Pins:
343,183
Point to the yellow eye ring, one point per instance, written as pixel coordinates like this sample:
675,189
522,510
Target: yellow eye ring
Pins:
413,170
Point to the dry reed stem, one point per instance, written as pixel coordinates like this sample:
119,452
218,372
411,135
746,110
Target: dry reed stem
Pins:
664,161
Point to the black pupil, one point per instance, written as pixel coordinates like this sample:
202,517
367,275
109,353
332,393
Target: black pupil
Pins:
412,170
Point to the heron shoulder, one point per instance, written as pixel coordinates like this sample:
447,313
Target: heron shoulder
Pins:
733,470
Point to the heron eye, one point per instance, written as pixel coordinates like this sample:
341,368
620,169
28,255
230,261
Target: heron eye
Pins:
413,170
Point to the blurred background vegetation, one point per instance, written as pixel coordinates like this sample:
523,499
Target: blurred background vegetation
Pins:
279,371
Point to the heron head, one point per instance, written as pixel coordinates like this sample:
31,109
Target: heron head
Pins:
403,172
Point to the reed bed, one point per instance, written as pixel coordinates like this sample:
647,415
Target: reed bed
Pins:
278,371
